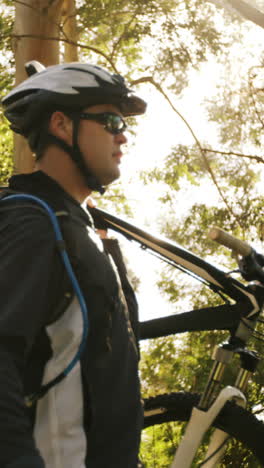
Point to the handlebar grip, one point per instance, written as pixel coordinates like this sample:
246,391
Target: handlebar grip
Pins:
237,245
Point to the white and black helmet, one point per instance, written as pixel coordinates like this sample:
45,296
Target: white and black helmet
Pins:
70,87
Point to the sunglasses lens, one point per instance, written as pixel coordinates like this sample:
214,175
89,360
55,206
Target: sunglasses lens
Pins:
115,123
112,122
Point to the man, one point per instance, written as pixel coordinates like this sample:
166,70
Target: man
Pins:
73,118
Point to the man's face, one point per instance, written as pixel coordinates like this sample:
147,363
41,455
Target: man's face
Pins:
101,150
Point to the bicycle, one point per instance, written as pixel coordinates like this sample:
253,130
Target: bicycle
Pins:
223,409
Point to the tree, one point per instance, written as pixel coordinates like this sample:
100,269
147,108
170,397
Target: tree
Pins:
115,32
37,29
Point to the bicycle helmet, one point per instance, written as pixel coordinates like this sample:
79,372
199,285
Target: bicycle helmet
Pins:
68,87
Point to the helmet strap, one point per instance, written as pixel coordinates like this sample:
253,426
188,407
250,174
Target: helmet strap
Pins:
77,157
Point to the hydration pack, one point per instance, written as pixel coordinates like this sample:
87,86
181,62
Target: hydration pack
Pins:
8,196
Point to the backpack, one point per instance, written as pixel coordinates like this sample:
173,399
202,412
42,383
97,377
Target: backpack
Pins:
7,196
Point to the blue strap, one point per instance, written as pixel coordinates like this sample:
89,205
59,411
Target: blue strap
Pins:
65,258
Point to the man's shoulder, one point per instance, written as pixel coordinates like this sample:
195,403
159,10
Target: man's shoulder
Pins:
23,219
36,202
40,185
35,208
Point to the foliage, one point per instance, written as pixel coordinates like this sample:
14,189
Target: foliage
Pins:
171,364
159,445
6,163
162,39
6,25
115,196
6,65
240,109
6,141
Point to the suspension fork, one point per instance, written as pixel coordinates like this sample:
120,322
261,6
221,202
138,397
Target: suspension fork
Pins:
222,355
202,418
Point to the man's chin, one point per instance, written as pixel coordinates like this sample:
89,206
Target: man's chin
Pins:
110,178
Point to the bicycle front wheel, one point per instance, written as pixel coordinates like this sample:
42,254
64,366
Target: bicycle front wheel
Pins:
233,419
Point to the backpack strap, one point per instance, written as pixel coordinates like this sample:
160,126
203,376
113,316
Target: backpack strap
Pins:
6,199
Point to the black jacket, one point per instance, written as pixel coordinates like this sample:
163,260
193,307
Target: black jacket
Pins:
93,417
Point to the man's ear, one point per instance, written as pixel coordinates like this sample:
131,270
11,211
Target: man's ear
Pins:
61,126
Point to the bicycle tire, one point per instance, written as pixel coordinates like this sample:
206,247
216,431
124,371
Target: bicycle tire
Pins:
233,419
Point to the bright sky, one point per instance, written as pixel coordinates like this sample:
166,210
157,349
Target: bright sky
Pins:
157,132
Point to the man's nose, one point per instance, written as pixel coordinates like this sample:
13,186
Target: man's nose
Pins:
121,138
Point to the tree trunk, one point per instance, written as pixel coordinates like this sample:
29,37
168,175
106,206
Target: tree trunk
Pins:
70,31
37,30
248,11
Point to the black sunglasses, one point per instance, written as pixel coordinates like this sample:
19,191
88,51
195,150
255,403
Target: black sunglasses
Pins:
113,123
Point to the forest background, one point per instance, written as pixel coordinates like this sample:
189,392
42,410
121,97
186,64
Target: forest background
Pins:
195,160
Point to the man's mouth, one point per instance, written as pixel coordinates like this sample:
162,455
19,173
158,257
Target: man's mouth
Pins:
118,155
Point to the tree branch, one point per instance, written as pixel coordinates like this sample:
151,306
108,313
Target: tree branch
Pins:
202,150
117,42
65,40
256,158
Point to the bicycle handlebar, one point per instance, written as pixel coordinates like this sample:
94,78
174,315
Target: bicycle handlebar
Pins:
226,239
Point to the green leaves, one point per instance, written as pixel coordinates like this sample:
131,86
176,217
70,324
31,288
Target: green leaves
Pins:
6,145
174,37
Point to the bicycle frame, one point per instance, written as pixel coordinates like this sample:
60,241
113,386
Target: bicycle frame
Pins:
240,316
217,279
